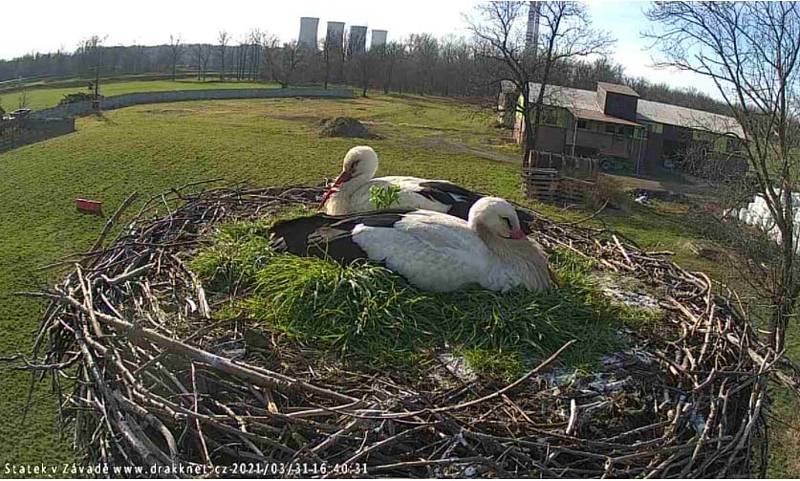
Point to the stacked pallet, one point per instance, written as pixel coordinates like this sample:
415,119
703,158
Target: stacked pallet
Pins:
573,191
541,184
558,178
547,185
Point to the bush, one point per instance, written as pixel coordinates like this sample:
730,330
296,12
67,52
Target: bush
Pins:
605,189
76,97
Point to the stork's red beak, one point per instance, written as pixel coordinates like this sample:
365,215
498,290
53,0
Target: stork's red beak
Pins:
343,177
517,234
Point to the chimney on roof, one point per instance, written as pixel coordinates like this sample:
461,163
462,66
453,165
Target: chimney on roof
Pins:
617,100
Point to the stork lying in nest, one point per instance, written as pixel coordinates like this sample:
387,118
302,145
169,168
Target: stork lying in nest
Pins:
434,251
351,191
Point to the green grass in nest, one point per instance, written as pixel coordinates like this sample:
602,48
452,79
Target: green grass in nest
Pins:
371,315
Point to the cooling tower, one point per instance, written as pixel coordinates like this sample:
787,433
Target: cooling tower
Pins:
358,40
378,38
308,31
335,35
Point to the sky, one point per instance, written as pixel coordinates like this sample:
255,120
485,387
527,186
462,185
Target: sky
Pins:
61,25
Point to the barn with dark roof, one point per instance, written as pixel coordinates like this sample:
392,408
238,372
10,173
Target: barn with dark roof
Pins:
613,122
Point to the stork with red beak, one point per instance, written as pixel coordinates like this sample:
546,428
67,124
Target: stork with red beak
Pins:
351,191
434,251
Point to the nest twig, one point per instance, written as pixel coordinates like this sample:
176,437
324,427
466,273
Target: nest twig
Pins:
155,380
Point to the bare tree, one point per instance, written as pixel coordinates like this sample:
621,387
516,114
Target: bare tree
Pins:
424,50
343,57
565,35
175,50
282,62
222,39
750,51
390,55
92,51
256,40
364,63
330,48
203,54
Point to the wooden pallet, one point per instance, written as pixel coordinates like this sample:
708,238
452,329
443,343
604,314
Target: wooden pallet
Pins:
540,184
573,191
547,185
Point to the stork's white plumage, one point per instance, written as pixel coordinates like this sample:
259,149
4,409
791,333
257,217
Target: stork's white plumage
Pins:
434,251
350,192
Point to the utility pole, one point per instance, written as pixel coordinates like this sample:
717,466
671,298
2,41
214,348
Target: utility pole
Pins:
96,99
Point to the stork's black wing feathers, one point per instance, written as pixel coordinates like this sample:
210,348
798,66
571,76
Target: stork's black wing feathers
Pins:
526,218
458,198
461,200
327,236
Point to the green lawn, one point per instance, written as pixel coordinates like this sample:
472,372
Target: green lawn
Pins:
150,148
40,97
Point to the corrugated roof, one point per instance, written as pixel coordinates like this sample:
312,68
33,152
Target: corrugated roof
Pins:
617,89
566,97
646,111
597,115
662,113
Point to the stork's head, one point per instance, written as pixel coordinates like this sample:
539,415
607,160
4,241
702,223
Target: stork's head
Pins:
359,166
360,162
496,216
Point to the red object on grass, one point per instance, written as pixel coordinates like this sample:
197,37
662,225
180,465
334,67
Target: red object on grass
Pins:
89,206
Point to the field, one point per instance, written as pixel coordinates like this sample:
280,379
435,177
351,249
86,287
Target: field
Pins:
40,97
150,148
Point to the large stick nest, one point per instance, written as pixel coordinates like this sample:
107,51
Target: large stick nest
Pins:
153,379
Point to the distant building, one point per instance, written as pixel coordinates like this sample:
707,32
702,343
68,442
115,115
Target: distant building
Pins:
308,31
357,43
378,38
612,122
335,35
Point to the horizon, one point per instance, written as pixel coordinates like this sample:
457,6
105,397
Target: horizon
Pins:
195,23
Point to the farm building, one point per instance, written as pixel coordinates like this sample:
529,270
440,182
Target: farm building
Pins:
613,123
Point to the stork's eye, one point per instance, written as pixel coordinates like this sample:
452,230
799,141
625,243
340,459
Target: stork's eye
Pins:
508,222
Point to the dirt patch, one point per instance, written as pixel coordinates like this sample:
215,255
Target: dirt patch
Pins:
464,148
345,127
168,111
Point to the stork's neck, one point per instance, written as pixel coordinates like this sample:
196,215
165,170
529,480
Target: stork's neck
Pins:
355,183
339,202
501,248
524,256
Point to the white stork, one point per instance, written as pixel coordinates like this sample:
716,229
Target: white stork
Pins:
350,192
434,251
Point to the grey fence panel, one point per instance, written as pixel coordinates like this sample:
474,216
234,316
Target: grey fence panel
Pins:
36,130
120,101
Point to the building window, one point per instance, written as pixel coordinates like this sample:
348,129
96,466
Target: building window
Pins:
582,124
611,128
549,116
653,127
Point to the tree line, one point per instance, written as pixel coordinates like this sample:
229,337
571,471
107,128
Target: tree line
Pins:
419,64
